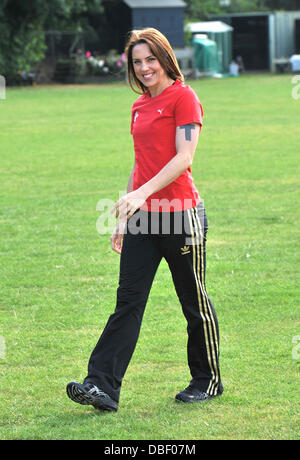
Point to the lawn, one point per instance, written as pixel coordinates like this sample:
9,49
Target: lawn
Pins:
65,148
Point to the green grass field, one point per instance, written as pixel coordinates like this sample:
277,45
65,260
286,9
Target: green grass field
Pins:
65,148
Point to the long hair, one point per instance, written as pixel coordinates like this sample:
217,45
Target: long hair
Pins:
160,48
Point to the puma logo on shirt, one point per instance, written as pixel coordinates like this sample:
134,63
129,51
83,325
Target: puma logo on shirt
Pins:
160,111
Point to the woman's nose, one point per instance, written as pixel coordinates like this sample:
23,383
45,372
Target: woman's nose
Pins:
144,65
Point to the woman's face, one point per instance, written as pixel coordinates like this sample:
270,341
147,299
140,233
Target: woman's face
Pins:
147,67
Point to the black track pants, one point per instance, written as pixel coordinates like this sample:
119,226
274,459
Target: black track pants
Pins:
180,238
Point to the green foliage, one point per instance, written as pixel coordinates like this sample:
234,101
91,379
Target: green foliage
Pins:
23,25
27,48
281,4
203,9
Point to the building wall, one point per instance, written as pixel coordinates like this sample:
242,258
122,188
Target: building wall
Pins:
297,36
277,39
169,21
285,33
250,39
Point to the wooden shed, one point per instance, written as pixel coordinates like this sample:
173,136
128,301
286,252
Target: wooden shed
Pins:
164,15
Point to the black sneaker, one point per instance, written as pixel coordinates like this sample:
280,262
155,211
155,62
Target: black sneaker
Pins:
89,394
192,394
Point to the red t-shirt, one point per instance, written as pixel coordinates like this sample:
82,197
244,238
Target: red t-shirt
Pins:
153,126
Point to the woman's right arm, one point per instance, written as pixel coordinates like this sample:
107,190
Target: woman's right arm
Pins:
118,234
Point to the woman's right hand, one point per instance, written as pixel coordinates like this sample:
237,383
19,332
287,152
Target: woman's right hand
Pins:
116,238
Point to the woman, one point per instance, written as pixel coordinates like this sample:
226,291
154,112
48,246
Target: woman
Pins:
161,215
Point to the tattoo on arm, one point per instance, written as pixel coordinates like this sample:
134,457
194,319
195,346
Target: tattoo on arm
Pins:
188,131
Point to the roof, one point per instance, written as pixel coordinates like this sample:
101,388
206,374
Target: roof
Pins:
209,26
236,15
155,3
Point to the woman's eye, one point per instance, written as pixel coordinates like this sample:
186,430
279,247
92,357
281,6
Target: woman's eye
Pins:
149,59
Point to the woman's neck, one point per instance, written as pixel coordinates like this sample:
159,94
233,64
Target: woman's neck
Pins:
158,89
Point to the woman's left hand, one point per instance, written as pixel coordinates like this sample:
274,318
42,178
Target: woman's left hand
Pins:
129,203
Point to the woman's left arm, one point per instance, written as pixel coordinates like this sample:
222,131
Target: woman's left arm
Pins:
186,143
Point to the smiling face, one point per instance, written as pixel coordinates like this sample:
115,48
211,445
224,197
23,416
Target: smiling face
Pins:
148,69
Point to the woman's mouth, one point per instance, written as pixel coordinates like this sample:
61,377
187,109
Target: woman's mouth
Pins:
147,76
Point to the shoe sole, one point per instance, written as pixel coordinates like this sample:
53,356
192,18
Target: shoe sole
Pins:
191,401
78,394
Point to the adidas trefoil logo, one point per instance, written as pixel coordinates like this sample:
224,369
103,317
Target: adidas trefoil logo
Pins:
185,250
160,111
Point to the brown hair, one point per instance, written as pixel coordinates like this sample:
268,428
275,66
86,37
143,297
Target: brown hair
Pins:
160,48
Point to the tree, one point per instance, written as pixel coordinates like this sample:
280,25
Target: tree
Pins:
22,29
199,10
286,5
203,9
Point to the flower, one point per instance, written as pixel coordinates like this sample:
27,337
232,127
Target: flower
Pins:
88,54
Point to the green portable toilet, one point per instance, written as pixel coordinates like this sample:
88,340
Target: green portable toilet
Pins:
221,34
205,55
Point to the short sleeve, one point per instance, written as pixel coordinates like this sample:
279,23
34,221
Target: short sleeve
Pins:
132,119
188,108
